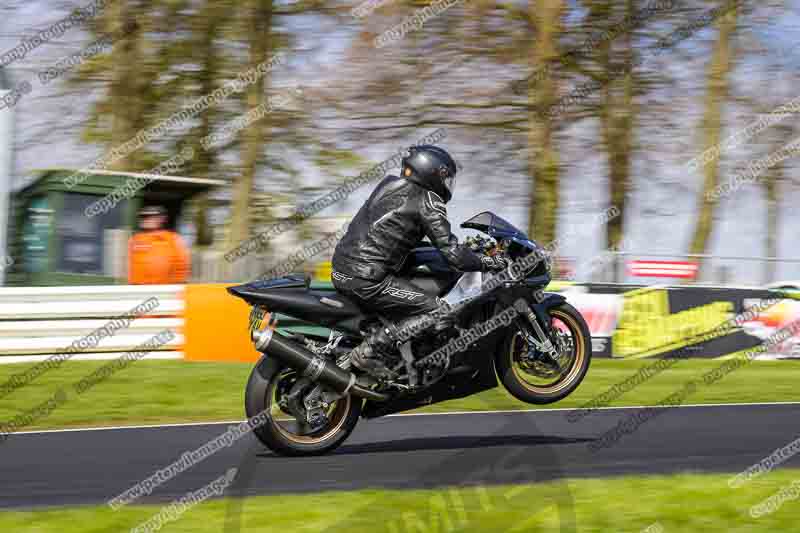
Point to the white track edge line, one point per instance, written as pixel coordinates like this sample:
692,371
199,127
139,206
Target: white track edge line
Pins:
502,411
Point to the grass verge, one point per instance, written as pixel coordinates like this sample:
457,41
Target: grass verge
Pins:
685,502
152,392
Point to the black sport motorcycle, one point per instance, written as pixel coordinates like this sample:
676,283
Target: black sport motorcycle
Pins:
312,397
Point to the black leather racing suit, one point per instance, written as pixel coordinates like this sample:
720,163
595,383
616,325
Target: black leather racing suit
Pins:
397,215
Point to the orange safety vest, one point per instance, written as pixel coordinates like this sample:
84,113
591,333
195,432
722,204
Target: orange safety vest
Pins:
157,257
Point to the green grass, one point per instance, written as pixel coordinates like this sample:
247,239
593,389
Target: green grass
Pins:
152,392
678,503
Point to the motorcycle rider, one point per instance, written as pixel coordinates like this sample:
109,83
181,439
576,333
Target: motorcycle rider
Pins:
395,218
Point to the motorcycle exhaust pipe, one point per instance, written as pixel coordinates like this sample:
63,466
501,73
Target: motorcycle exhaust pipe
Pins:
312,366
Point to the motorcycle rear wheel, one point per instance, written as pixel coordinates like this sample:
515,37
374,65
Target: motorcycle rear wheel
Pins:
282,433
519,375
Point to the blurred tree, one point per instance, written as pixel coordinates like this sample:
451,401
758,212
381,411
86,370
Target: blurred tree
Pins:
125,102
258,20
127,81
607,56
446,74
209,20
543,162
772,181
617,113
711,127
180,52
771,184
778,76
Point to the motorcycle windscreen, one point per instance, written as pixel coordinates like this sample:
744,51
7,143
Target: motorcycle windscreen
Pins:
493,225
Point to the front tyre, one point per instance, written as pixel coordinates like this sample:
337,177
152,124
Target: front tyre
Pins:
533,377
269,383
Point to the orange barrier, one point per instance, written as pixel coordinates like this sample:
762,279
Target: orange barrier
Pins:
216,325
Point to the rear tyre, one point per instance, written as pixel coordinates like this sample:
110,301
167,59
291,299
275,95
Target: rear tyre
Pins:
531,380
282,434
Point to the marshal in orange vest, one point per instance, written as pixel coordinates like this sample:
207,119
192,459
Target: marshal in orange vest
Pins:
157,257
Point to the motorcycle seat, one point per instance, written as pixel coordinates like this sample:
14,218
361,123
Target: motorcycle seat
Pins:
293,297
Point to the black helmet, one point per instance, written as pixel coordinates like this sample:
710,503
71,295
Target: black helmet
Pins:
431,167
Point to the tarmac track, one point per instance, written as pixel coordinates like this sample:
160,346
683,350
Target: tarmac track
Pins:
402,452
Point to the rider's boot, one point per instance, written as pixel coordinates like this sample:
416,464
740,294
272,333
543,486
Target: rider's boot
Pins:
370,355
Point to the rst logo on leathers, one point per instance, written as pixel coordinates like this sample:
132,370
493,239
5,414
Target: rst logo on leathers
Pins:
340,277
401,293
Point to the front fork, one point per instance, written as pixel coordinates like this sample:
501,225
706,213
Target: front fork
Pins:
533,310
538,338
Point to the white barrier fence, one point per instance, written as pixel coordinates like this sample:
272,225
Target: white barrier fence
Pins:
36,322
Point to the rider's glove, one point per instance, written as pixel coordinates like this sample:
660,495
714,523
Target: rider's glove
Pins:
494,263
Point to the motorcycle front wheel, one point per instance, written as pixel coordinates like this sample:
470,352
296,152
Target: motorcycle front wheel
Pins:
267,391
537,378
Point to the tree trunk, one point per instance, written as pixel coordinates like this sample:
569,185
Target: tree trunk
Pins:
712,125
203,161
254,136
620,118
772,213
127,118
543,161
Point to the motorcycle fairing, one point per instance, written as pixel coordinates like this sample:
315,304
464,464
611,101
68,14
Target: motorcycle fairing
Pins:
476,375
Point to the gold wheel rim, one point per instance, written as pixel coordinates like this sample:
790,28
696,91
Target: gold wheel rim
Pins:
337,414
576,365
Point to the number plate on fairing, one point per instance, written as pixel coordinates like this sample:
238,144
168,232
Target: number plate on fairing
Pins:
257,315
